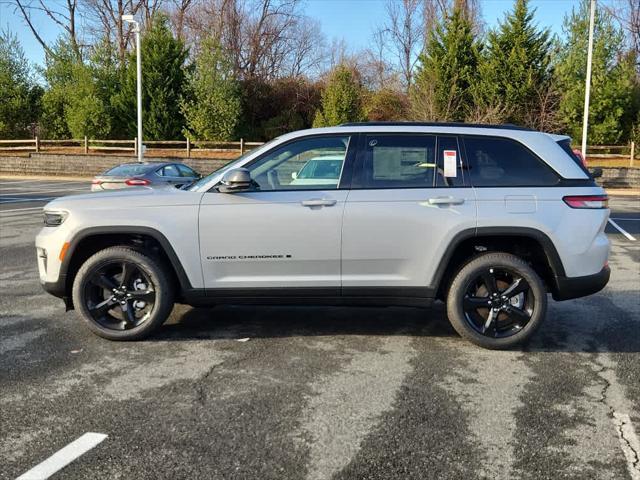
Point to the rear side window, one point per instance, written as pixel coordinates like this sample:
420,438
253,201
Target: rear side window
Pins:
502,162
566,146
399,161
169,171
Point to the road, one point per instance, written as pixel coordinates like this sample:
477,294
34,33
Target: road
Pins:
317,393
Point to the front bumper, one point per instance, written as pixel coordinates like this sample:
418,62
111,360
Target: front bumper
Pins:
576,287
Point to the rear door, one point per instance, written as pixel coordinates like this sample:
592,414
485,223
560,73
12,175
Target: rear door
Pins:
409,198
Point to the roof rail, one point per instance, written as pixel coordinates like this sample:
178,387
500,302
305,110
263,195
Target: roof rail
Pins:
504,126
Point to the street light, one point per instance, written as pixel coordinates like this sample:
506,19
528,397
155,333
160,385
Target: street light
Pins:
587,90
136,29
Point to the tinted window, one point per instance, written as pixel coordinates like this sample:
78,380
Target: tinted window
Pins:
502,162
399,161
129,170
169,171
308,164
566,146
186,171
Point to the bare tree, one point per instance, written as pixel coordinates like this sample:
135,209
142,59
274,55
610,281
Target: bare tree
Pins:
627,13
404,31
63,14
108,19
266,38
178,12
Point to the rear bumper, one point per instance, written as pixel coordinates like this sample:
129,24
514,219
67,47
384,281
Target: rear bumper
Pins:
576,287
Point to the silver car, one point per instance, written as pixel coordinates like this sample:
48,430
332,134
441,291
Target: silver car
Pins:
144,175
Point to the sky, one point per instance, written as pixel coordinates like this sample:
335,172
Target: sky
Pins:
351,20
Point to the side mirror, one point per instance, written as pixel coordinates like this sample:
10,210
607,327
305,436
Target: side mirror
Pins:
294,175
236,180
596,172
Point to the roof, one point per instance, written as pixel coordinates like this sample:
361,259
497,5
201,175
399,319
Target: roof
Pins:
504,126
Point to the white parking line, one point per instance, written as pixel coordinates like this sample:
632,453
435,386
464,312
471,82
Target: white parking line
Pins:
20,210
629,443
32,192
63,457
622,230
18,199
627,219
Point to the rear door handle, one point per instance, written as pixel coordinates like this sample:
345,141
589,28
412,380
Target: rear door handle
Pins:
446,201
319,202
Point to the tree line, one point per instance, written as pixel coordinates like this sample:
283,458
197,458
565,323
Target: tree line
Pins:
225,69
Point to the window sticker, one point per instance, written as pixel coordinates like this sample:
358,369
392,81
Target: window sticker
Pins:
450,160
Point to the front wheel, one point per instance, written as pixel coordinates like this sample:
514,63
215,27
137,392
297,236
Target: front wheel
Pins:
496,301
122,294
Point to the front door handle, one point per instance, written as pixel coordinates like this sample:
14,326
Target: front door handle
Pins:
446,201
319,202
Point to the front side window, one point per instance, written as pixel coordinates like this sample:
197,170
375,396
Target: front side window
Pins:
186,171
399,161
309,164
502,162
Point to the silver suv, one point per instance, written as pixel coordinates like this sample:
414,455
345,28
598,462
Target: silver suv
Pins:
488,219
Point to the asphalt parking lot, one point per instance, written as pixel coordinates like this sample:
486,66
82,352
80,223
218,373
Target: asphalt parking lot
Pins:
317,393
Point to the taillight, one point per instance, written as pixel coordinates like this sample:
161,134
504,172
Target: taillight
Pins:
96,182
587,201
136,182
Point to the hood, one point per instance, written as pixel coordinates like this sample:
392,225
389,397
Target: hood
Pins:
140,196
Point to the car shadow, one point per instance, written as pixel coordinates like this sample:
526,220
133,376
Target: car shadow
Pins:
566,329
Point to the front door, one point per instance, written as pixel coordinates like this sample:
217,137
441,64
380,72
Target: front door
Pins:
286,231
409,198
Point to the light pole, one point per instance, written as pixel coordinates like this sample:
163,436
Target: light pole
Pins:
587,91
136,30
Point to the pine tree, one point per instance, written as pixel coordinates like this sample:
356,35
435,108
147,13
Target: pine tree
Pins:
163,83
213,109
515,66
59,75
19,103
341,99
447,71
611,102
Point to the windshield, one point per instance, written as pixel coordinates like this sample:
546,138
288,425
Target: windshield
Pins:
129,170
204,180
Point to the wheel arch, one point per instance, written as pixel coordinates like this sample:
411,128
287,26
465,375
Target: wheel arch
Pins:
530,243
93,239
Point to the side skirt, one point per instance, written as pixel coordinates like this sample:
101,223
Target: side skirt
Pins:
349,296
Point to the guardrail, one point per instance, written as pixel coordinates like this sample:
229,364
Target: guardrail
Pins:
88,145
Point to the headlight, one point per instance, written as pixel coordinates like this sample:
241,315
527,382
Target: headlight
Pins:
53,219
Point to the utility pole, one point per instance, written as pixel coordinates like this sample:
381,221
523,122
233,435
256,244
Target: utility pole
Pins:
587,90
136,30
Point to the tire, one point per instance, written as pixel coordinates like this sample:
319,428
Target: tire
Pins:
516,292
121,274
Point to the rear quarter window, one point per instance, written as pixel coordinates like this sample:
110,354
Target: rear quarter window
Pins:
503,162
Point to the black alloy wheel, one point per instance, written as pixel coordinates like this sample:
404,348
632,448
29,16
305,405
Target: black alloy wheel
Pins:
122,293
119,295
498,302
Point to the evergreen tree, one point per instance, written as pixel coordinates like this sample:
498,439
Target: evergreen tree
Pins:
19,105
85,112
447,71
611,102
163,83
59,76
213,109
515,66
341,99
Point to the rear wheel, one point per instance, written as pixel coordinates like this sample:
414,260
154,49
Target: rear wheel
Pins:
497,301
122,294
